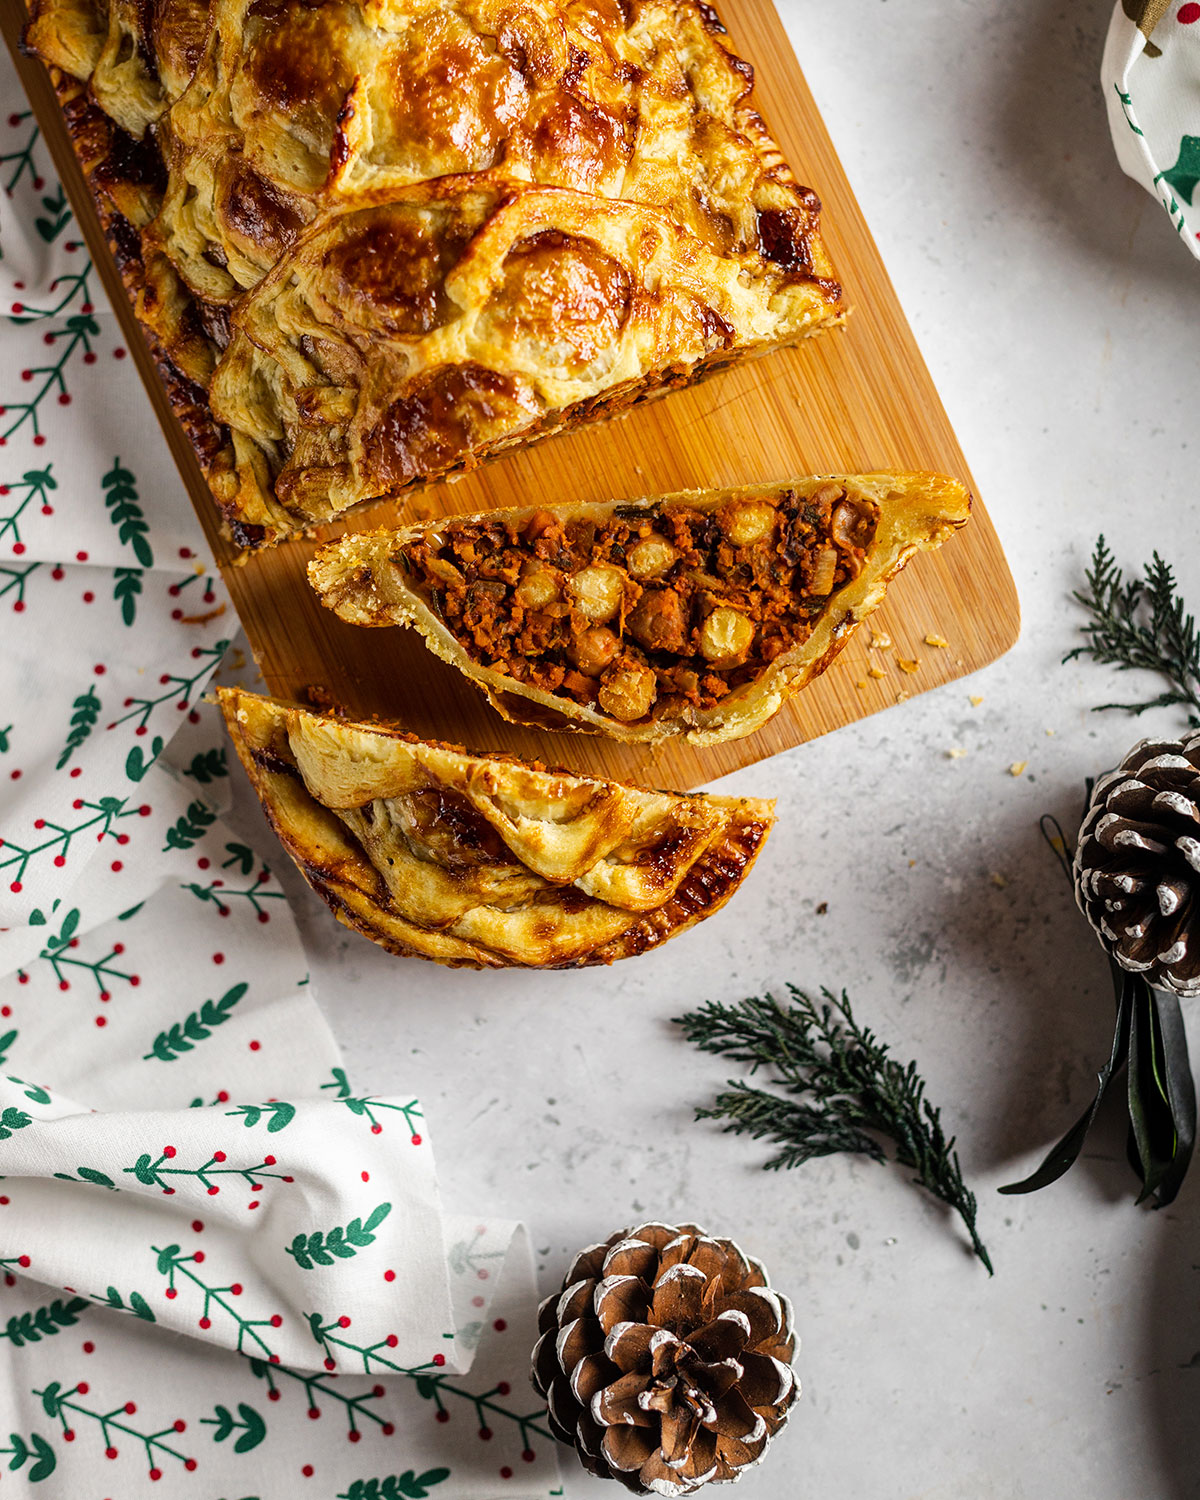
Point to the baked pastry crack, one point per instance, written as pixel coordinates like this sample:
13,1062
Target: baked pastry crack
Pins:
486,861
373,242
696,614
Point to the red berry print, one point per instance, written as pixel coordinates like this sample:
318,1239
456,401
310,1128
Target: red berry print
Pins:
1189,14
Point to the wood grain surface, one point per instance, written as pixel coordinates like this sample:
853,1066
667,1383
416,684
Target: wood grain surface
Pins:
856,399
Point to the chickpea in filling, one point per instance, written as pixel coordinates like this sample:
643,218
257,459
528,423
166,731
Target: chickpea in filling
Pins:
651,611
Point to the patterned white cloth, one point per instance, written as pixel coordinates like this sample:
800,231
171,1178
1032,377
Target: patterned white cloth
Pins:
181,1152
1151,79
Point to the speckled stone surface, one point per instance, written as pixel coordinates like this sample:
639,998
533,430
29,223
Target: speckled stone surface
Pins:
1060,319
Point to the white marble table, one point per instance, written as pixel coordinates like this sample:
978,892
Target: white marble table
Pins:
1059,317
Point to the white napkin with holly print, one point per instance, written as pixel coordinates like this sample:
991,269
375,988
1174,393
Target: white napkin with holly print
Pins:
225,1269
1151,80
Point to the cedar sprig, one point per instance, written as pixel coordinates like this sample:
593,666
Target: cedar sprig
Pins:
846,1090
1141,625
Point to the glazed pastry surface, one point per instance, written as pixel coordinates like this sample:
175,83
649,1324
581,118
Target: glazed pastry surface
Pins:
375,242
484,860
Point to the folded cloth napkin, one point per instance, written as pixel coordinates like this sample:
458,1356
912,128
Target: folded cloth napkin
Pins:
1151,80
181,1150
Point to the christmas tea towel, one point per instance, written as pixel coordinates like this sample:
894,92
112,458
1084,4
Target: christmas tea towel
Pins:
1151,80
224,1270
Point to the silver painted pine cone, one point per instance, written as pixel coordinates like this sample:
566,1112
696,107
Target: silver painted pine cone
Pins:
1137,863
666,1360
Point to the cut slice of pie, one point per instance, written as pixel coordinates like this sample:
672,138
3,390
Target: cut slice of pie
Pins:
485,861
695,614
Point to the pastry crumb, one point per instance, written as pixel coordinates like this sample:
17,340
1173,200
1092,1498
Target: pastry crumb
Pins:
909,666
956,753
1050,733
876,672
999,880
1017,768
912,864
860,685
823,909
902,695
880,641
976,700
939,641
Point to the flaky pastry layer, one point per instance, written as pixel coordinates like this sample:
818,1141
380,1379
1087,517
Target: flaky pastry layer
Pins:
376,241
486,861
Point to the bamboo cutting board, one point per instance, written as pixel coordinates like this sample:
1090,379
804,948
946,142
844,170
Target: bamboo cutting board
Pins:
853,400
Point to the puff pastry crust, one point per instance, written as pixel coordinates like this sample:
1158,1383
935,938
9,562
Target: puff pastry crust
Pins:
696,614
485,861
376,241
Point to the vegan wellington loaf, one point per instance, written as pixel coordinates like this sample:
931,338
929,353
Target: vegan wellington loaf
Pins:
486,861
695,614
373,244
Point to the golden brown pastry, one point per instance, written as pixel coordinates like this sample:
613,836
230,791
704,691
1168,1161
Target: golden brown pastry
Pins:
374,243
696,614
482,860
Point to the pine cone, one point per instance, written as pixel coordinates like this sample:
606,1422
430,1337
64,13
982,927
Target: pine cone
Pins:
666,1360
1137,863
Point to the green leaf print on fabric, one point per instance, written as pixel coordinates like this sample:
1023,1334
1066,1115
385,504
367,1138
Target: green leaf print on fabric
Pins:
407,1486
189,828
43,1322
198,1026
83,721
125,512
252,1427
323,1246
37,1449
280,1115
1185,174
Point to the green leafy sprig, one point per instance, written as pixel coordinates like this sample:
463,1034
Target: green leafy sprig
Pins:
845,1090
1141,625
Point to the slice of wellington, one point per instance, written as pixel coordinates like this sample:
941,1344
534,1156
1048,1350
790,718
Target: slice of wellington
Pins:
694,614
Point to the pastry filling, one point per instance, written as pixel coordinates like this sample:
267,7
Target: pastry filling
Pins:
652,611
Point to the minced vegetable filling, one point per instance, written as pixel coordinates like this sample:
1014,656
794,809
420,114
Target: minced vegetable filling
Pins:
651,611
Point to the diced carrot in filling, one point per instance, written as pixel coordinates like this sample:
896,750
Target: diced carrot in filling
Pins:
652,610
